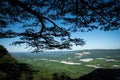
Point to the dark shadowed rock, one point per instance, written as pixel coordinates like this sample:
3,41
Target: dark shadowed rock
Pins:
102,74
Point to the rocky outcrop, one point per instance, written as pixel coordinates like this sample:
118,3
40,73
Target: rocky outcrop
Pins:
102,74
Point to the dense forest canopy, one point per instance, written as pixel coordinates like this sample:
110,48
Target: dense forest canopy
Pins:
48,24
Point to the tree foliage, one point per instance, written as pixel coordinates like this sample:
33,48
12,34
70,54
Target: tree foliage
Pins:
48,24
11,69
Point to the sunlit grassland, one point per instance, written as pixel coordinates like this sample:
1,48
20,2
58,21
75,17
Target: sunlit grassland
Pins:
48,68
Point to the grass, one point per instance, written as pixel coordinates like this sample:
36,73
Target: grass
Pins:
48,68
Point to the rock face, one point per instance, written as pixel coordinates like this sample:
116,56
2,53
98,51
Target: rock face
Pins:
102,74
11,69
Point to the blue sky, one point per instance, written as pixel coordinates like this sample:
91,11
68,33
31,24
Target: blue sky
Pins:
100,39
94,40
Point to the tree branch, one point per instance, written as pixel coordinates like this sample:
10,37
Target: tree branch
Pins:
40,17
93,9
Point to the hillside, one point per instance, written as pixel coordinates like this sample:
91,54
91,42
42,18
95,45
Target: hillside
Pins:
16,67
73,65
11,69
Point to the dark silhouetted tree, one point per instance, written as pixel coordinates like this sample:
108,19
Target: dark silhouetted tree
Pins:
48,24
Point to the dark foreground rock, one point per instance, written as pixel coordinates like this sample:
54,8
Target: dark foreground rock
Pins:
102,74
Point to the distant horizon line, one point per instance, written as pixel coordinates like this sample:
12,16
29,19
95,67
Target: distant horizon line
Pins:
66,50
